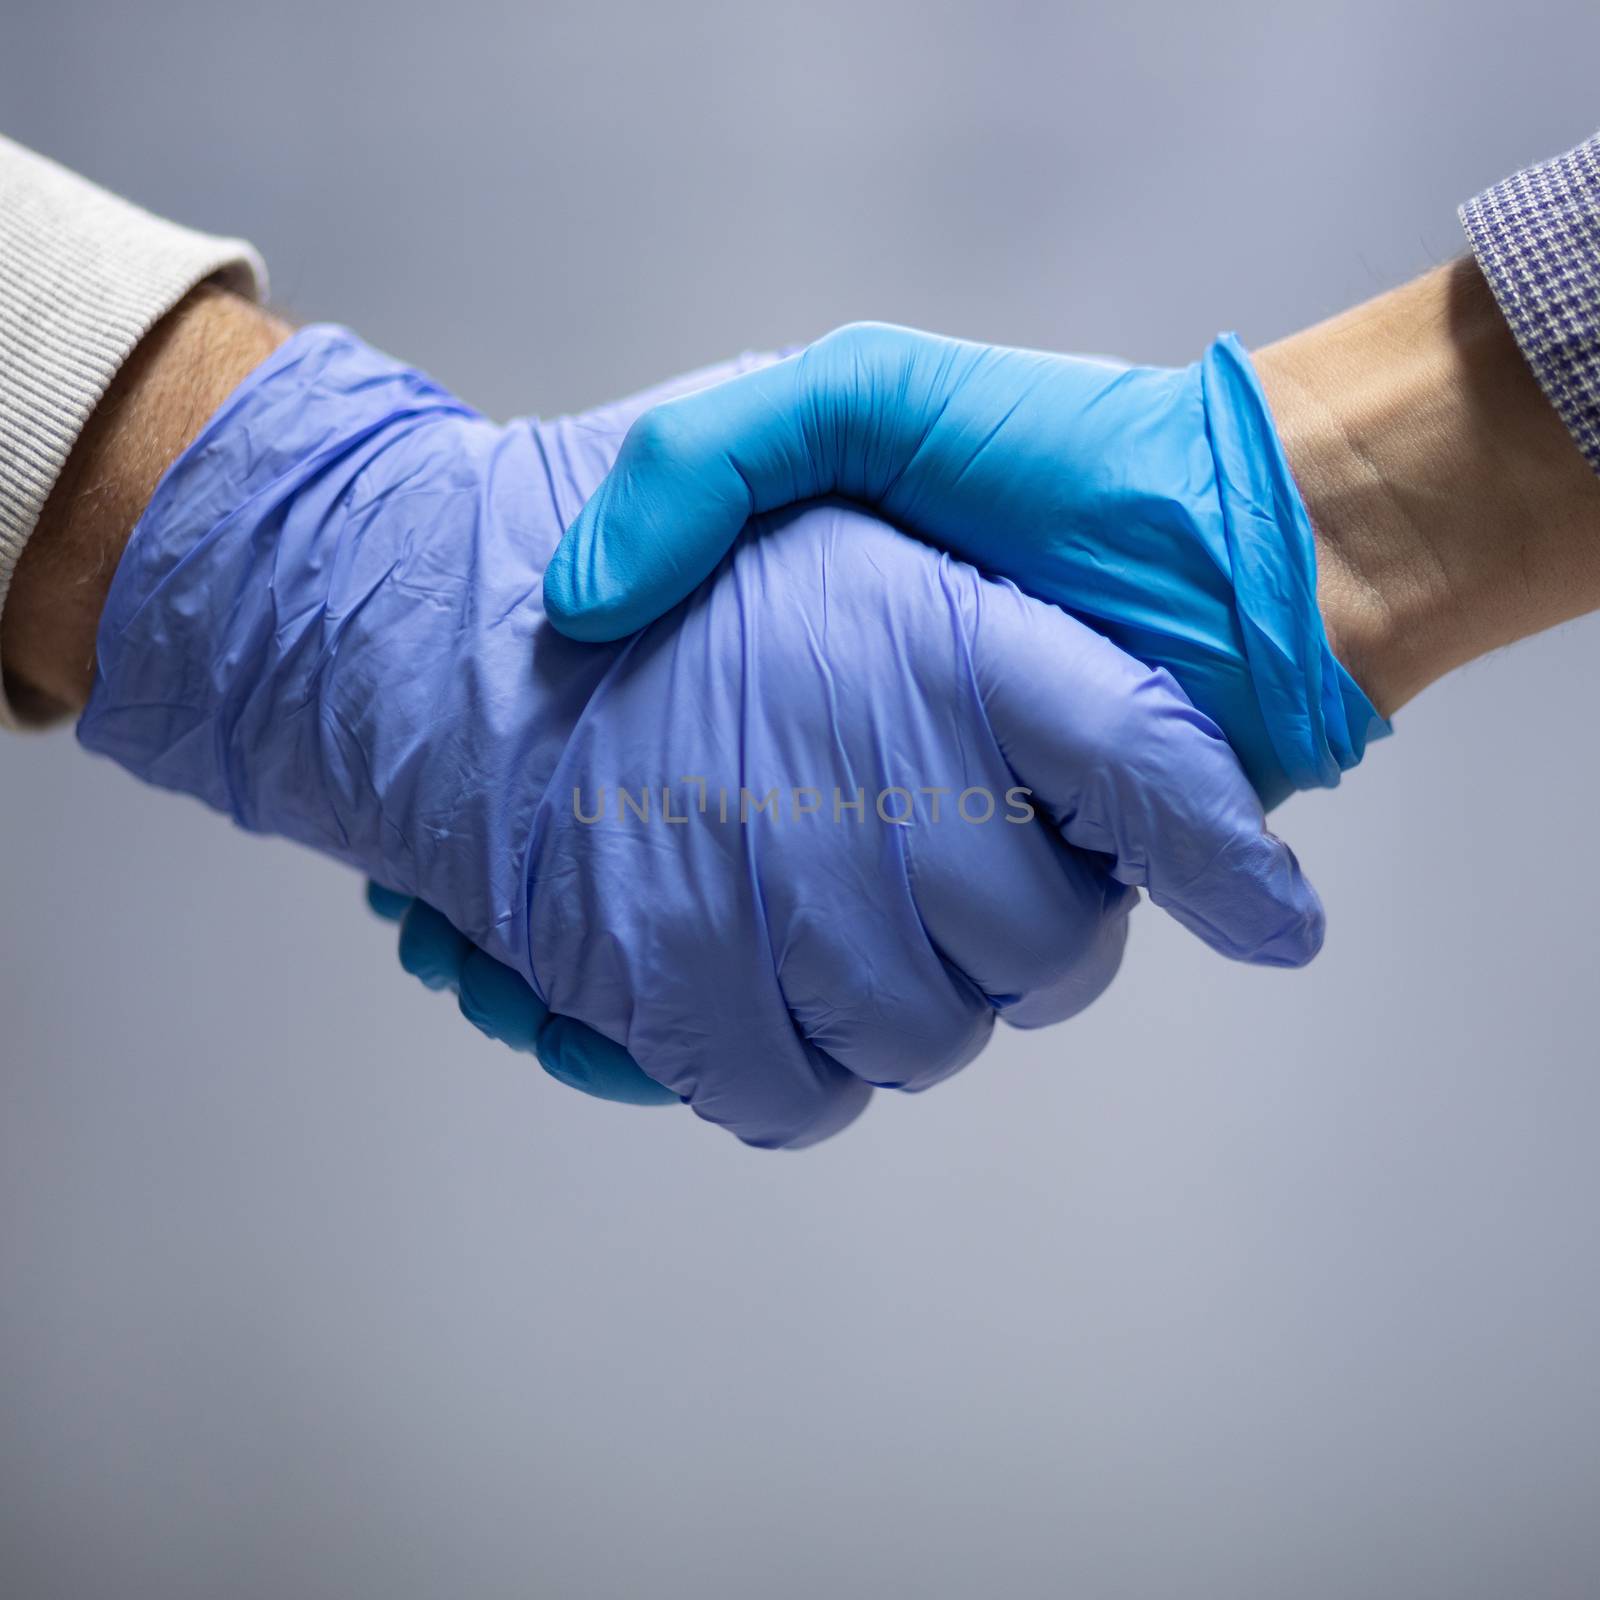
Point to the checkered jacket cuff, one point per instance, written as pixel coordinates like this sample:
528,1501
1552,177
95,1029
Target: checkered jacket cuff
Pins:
1537,239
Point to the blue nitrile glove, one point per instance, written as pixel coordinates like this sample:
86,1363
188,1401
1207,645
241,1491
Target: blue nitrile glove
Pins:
1155,504
328,624
497,1002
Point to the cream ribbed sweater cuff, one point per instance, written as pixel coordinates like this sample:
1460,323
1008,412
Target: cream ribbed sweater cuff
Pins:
84,276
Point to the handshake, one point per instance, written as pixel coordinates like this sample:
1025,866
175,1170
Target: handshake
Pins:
758,741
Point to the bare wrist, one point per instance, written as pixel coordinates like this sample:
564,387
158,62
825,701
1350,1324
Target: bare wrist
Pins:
180,373
1452,512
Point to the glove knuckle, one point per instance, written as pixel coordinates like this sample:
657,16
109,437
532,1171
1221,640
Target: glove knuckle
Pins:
666,435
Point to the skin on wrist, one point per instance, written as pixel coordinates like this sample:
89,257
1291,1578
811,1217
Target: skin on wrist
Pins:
182,370
1453,513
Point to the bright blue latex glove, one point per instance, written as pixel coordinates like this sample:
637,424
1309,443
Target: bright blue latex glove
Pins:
328,625
498,1003
1155,504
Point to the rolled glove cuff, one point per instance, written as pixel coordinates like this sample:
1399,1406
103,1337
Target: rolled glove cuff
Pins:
1316,714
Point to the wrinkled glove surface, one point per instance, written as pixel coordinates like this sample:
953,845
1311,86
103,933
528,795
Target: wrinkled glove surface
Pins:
1154,503
328,624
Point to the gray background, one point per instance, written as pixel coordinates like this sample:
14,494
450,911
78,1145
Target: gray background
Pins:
1246,1284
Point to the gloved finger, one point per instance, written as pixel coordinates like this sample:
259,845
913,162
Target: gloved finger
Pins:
389,904
887,1003
1039,926
756,1095
589,1061
986,915
692,471
719,1035
966,904
1128,768
498,1002
955,911
430,948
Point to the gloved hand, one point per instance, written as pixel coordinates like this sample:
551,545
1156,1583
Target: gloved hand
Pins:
1155,504
328,625
498,1003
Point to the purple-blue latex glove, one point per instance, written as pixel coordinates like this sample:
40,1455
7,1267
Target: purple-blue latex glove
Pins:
328,624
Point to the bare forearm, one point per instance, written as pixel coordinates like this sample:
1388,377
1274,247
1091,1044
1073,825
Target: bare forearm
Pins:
1452,510
180,373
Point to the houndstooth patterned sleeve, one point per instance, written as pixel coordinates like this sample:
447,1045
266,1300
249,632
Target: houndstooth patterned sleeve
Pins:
1536,237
